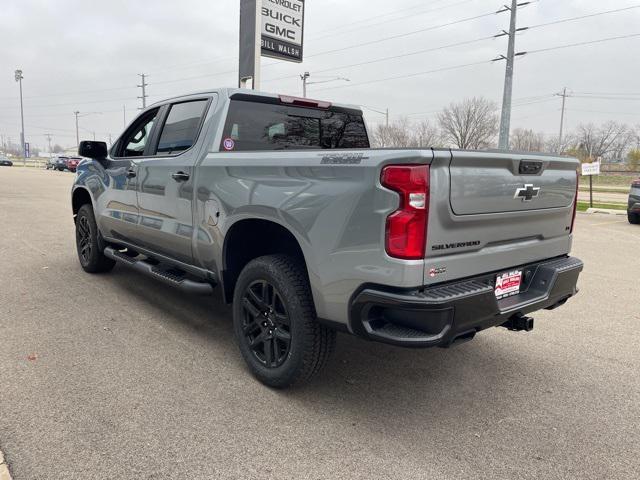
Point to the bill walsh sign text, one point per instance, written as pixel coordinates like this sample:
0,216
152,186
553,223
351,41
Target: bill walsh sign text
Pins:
282,29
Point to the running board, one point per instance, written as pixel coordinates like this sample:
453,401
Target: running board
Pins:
155,271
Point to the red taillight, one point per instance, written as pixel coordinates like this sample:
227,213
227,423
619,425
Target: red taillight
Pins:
406,233
575,202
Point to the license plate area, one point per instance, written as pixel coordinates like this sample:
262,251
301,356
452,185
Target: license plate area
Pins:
508,284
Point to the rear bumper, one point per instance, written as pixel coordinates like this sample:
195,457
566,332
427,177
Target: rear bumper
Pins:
634,204
443,314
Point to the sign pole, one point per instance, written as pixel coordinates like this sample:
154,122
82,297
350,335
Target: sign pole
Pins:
250,43
268,28
257,55
591,169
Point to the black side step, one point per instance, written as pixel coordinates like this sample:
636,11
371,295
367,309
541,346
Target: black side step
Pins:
155,271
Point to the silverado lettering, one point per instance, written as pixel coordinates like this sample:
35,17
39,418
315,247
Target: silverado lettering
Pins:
448,246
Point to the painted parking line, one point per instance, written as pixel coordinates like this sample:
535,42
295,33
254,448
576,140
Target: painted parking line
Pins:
606,223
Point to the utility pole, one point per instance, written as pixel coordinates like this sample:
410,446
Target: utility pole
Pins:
505,118
124,116
48,135
76,113
143,85
110,142
19,78
564,96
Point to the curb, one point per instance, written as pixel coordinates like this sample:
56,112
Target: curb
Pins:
607,210
4,469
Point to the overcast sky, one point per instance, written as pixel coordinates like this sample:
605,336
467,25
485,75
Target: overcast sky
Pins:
85,55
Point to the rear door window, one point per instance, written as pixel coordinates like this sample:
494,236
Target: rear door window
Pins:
181,128
266,126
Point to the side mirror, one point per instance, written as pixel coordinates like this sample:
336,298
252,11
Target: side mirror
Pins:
92,149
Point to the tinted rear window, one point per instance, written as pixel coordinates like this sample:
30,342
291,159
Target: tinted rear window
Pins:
262,126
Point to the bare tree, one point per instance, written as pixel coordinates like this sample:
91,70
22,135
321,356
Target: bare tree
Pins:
380,137
471,124
568,142
609,139
526,140
403,133
426,134
400,133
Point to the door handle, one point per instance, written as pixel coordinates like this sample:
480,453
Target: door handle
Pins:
131,173
180,176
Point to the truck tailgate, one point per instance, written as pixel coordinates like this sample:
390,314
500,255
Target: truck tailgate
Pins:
484,183
490,211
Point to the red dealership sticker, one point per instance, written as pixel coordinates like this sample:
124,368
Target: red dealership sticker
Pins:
508,284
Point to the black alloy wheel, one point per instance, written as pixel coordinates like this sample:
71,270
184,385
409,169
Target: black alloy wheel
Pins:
84,240
275,322
90,253
266,324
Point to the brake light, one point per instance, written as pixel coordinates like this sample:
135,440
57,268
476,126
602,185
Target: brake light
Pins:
304,102
406,231
575,202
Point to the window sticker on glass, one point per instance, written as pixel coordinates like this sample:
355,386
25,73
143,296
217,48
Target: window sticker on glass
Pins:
228,144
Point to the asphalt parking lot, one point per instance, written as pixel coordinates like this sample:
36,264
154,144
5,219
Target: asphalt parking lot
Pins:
117,376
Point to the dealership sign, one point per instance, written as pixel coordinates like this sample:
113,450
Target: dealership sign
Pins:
591,168
282,29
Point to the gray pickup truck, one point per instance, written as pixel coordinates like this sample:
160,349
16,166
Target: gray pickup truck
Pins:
308,231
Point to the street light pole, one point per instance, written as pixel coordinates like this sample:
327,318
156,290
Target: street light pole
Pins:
305,82
564,96
76,113
19,78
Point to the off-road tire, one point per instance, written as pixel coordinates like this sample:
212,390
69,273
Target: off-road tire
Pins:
634,218
90,254
310,343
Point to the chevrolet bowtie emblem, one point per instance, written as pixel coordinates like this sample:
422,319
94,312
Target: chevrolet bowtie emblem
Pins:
527,193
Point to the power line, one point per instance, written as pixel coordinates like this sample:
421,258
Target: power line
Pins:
582,17
81,92
603,112
530,52
579,44
608,93
417,74
402,35
606,98
381,15
73,103
385,22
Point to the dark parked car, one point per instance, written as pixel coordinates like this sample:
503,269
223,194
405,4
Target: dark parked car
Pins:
5,162
51,163
58,163
633,213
